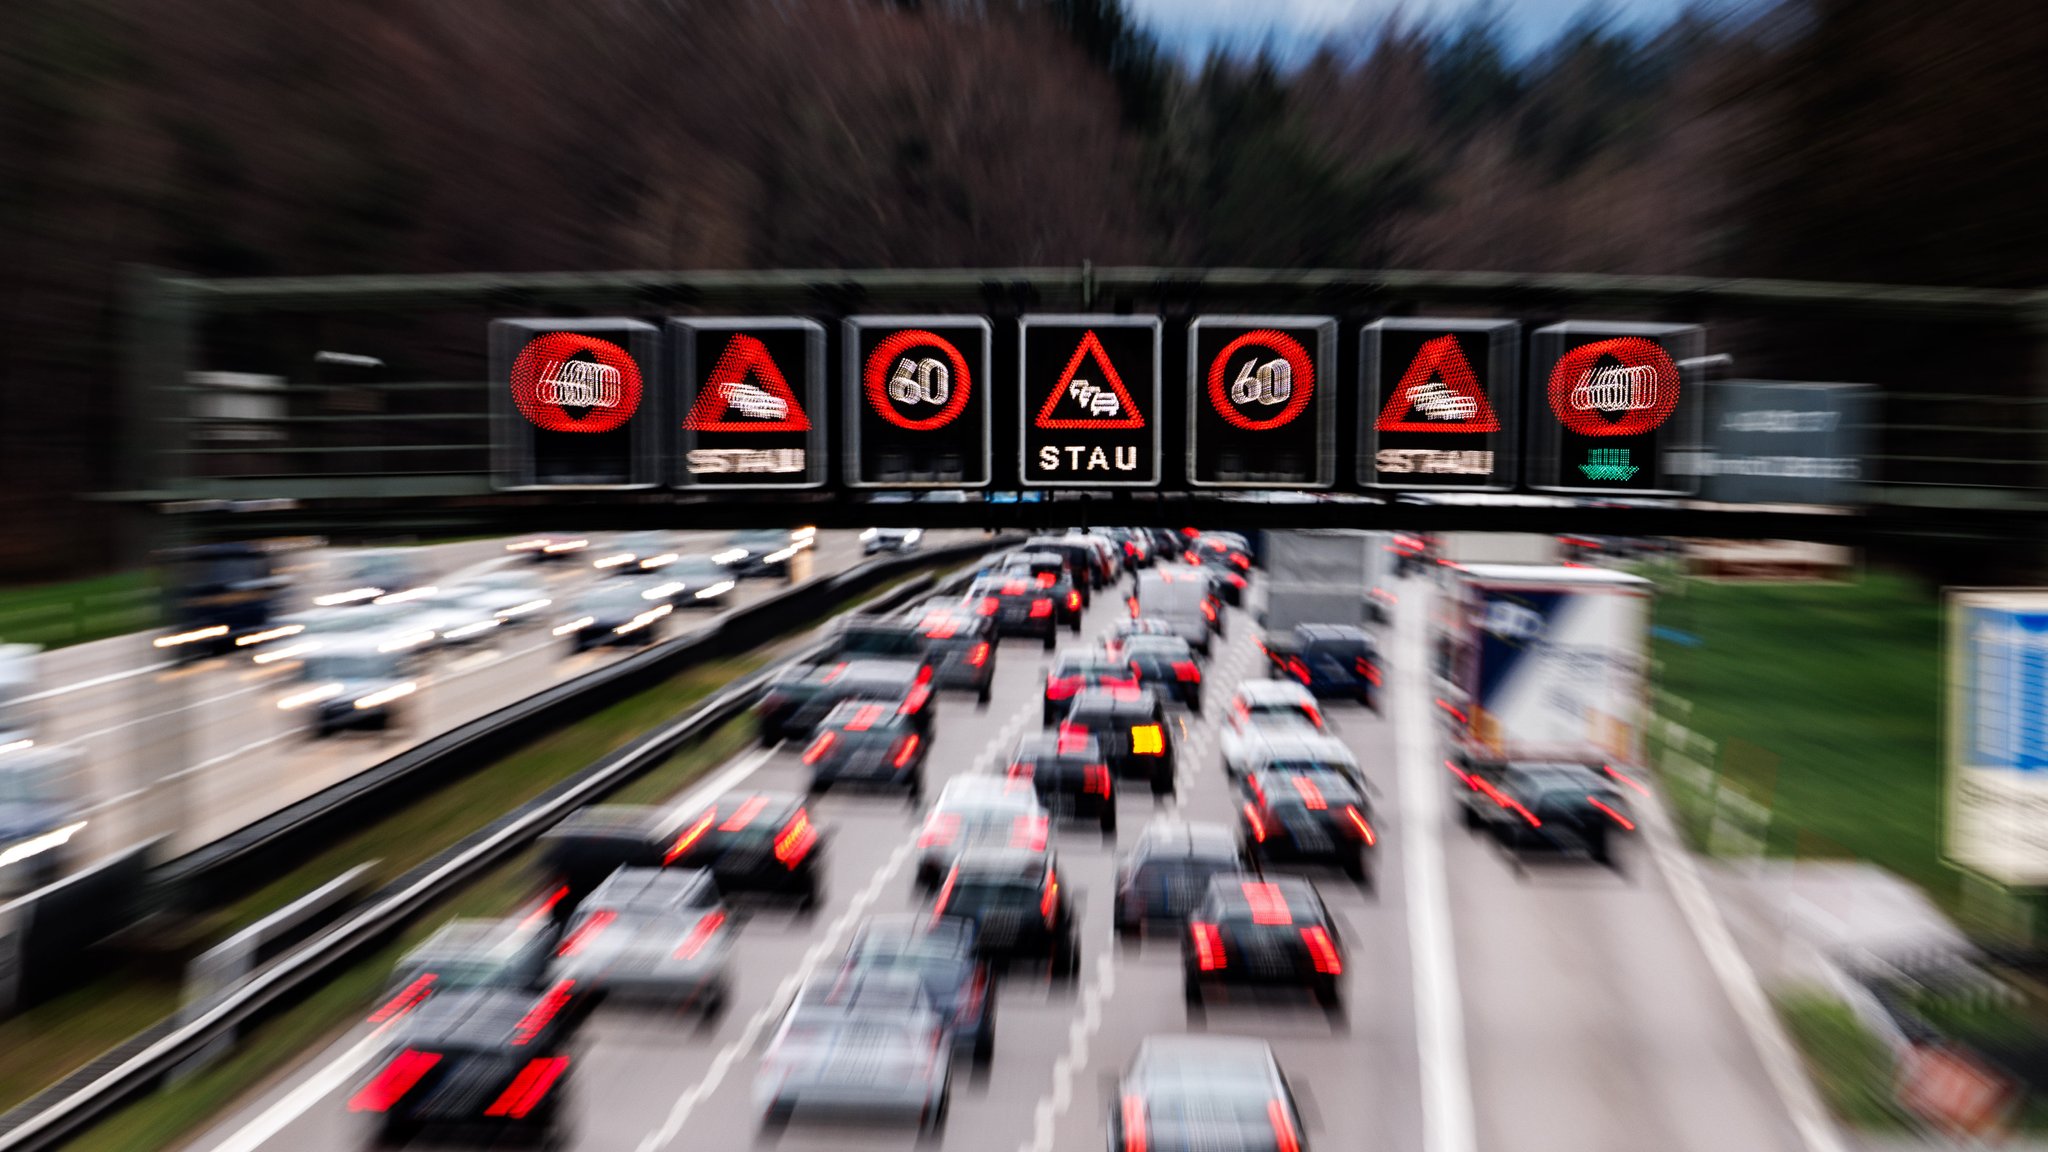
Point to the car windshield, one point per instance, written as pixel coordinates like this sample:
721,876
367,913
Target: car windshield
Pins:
695,570
981,893
1201,1101
876,642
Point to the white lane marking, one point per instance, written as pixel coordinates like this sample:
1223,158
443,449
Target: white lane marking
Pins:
1447,1124
329,1077
309,1092
96,681
244,750
1074,1062
1739,983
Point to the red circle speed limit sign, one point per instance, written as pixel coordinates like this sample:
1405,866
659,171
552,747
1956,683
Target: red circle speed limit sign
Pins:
1625,386
1262,380
569,382
913,372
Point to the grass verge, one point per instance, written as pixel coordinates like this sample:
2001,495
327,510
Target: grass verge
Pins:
77,611
1848,1063
40,1046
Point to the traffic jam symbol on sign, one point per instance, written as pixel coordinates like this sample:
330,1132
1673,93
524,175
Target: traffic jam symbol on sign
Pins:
917,401
572,409
746,424
1260,414
1089,385
1441,425
1619,404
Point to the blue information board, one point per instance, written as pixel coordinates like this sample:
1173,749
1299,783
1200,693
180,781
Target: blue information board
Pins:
2004,672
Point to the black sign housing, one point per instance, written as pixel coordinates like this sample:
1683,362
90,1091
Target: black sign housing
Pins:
1088,401
917,401
749,401
1261,398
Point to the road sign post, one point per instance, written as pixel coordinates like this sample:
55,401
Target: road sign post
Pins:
917,401
1261,401
751,391
1439,408
1088,401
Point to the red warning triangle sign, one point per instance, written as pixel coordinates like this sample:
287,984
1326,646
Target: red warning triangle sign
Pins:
1108,408
1442,386
764,405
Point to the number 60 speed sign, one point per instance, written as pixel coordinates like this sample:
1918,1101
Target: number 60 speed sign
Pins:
1260,409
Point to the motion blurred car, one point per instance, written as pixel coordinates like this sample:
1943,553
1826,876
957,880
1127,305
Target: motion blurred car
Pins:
1019,910
1273,704
589,844
1213,1093
459,616
617,612
1262,933
1017,605
765,553
1309,818
1182,599
41,812
1125,630
754,843
650,934
1227,562
1082,559
1329,660
1135,543
635,554
862,1044
1167,665
386,575
892,540
978,810
468,954
1073,671
1130,728
1049,572
482,1064
693,582
1069,776
961,647
867,742
1109,558
798,700
355,681
942,955
1289,750
1555,810
549,547
1168,873
516,597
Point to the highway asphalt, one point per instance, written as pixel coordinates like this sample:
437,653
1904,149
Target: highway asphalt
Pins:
1569,1009
195,753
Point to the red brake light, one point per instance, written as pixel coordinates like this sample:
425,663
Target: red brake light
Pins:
795,842
1268,905
1051,900
1298,669
1506,801
1062,688
745,814
940,829
1208,946
691,835
1456,714
391,1085
1190,558
1028,832
536,1019
864,718
1367,669
1047,579
1041,608
1187,670
1470,780
1016,588
545,908
945,894
1358,821
978,655
1023,770
1097,779
905,749
914,701
1617,817
1625,779
701,935
407,999
528,1088
988,606
820,747
1209,610
586,932
1311,795
1285,1138
1258,825
1322,950
1314,714
1132,604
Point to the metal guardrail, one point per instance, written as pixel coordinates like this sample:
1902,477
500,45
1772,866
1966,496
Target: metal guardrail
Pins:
146,1060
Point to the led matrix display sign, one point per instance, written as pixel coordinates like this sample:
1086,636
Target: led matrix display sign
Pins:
1089,401
1612,404
917,401
1439,404
1261,402
573,403
752,394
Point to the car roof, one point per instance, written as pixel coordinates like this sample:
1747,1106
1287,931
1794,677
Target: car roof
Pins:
1002,864
876,672
1202,1058
762,807
986,791
1059,746
1143,698
1179,838
654,888
1333,632
1335,787
864,715
468,1018
1237,892
1274,692
944,934
1298,743
1070,657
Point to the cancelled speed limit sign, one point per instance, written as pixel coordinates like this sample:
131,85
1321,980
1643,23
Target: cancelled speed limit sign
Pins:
1260,401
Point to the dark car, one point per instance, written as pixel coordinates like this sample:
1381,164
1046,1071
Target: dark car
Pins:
481,1063
1017,605
866,1044
1168,872
1130,726
591,843
650,934
764,553
1329,660
1309,818
1212,1093
797,700
1558,810
1167,664
961,647
1226,562
1018,907
617,612
468,954
693,582
42,810
867,742
1262,932
1051,572
1069,775
1074,671
941,954
754,843
1125,630
1082,560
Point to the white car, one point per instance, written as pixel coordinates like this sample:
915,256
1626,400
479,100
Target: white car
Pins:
1262,706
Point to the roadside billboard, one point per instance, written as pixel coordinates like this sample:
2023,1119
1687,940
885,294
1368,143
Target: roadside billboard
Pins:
1774,442
1997,788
